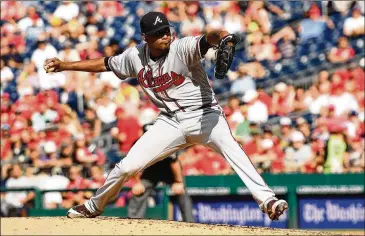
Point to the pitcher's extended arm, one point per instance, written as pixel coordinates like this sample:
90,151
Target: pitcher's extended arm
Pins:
93,65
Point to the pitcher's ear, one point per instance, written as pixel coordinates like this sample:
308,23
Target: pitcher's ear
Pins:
144,37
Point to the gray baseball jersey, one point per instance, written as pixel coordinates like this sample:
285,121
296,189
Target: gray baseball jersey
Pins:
175,82
190,114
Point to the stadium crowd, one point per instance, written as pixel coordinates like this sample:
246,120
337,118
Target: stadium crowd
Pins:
50,122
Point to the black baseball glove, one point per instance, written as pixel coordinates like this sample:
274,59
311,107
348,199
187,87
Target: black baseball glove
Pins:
224,55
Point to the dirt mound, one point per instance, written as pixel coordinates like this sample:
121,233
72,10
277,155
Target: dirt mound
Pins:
120,226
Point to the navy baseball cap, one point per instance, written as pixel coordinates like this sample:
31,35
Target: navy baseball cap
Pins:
153,22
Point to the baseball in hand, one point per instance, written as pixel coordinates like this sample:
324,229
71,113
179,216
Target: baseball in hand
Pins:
52,65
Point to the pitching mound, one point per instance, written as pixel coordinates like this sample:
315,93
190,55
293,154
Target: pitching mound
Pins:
119,226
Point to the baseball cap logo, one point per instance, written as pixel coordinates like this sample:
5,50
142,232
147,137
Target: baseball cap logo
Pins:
157,20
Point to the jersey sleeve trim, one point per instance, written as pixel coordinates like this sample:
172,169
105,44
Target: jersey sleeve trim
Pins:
106,63
198,46
114,70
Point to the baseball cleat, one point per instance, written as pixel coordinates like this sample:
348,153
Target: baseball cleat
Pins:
79,211
275,208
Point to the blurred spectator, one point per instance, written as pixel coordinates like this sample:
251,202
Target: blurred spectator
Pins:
233,111
242,131
110,9
342,101
262,48
262,161
70,123
144,7
297,155
286,47
105,110
215,22
354,25
44,118
336,150
29,76
343,53
128,97
354,161
188,158
97,178
31,20
315,25
73,98
299,103
93,121
18,202
44,51
52,200
282,99
253,146
12,10
353,125
243,82
148,112
256,12
321,130
76,182
6,74
213,164
192,25
342,7
127,131
174,10
257,111
66,154
304,128
87,154
233,21
285,131
49,158
254,69
318,99
67,10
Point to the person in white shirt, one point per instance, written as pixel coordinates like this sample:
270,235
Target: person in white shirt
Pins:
32,19
192,25
43,52
257,111
105,110
354,25
67,10
343,102
298,154
16,201
321,101
233,21
6,74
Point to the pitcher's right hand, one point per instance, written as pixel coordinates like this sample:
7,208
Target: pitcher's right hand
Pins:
53,65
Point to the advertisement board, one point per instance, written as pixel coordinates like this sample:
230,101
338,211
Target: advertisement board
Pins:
331,213
244,213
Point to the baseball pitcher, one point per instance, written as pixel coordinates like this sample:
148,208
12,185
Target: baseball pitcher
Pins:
170,73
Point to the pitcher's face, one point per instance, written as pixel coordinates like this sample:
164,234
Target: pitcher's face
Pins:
160,40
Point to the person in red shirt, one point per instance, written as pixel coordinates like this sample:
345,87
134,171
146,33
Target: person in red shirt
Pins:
5,144
76,182
282,99
97,178
127,132
213,164
342,53
26,103
252,146
5,103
